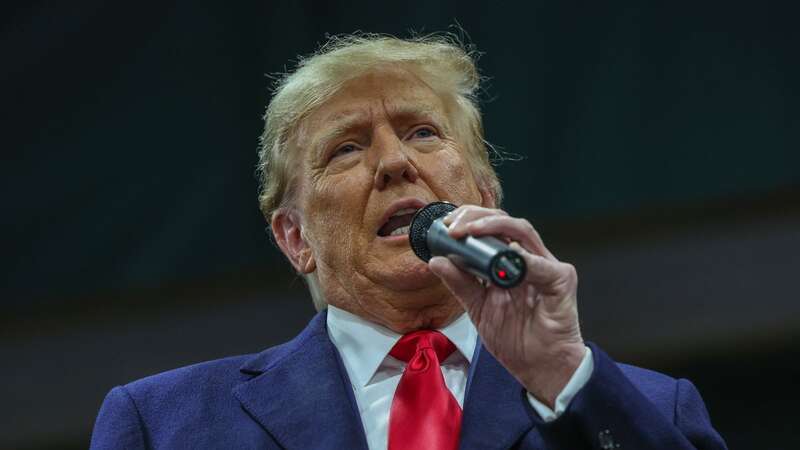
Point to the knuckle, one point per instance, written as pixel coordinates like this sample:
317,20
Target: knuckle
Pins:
570,273
458,215
525,224
567,280
464,212
481,216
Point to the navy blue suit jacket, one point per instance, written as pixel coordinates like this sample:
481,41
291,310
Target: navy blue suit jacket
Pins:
297,396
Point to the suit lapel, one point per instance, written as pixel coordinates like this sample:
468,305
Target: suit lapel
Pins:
495,414
301,394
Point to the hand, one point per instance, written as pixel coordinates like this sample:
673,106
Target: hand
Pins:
532,329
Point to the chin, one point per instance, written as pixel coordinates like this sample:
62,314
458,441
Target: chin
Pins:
406,272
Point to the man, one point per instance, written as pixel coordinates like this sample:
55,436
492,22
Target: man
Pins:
404,354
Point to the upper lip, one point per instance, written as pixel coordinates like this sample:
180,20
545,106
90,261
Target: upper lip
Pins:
397,205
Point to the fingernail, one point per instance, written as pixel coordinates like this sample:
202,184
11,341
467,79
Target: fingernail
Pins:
448,218
432,264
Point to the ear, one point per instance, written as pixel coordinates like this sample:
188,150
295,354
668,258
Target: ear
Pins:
288,231
487,198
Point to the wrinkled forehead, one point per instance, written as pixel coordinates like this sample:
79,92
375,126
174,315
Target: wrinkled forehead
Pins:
396,94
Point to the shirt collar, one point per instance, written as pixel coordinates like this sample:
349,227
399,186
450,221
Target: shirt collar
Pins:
364,345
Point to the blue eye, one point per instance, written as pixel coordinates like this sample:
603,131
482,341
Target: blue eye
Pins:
425,132
343,150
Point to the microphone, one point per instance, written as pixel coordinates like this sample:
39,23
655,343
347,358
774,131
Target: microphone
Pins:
486,257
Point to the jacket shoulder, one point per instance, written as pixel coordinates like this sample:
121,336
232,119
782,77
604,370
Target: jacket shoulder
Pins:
192,406
204,378
211,381
659,388
214,372
153,411
195,403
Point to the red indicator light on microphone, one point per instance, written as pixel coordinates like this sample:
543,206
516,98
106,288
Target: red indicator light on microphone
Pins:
501,273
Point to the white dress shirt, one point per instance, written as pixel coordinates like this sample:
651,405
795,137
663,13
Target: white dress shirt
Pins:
364,347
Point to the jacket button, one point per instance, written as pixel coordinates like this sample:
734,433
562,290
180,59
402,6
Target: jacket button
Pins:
606,440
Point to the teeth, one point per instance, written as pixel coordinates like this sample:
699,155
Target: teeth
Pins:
405,211
401,230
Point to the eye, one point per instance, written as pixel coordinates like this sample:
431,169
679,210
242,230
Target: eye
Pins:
343,150
423,133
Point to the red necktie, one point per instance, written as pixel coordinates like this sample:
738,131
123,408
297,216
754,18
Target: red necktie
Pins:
424,414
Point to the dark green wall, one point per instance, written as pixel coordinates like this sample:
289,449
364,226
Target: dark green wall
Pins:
131,130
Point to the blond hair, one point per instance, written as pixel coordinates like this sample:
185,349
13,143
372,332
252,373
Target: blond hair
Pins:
439,60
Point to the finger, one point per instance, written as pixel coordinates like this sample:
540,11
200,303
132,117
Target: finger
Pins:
457,215
513,228
462,284
458,220
550,277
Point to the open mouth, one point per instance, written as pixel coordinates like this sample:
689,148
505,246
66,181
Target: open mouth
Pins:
398,224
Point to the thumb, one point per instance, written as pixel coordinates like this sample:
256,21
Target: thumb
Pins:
463,285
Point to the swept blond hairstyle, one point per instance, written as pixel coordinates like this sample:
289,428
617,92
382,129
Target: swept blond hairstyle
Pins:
439,60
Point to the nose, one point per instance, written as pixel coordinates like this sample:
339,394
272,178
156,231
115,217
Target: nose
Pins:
393,164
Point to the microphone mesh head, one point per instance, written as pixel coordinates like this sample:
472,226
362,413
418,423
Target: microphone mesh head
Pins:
421,222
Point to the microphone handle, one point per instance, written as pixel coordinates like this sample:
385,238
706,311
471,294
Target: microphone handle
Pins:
486,257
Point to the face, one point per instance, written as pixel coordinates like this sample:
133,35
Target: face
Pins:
384,142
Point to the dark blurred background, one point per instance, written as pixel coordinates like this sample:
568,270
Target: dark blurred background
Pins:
661,157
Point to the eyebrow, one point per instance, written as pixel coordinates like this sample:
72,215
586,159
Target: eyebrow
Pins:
341,124
346,121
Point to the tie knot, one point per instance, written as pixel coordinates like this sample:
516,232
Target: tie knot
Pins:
413,344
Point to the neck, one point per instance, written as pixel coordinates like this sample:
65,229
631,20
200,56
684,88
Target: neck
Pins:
430,307
406,318
431,317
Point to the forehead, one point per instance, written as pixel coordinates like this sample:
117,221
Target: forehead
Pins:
394,93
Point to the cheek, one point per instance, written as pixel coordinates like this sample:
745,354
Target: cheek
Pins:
334,211
451,176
